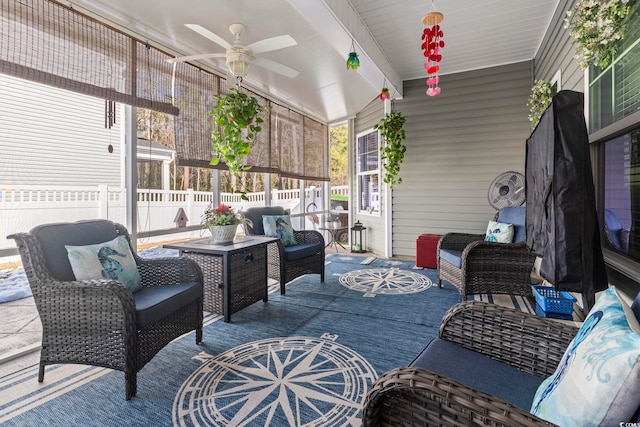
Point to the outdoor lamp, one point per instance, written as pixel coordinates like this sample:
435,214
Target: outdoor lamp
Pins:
358,238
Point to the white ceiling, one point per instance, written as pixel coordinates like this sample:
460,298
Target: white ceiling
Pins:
387,34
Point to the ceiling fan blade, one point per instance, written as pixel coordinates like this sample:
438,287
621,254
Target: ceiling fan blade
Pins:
195,57
210,35
273,43
275,67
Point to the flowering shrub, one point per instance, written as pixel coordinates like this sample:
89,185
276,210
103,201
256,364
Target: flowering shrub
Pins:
540,98
222,215
597,26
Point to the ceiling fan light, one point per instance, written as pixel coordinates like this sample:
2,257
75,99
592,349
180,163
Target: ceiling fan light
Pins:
238,68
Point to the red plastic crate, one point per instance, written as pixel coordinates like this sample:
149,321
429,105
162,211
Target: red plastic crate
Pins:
426,250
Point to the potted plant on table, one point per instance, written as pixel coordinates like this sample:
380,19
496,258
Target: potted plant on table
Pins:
223,222
237,119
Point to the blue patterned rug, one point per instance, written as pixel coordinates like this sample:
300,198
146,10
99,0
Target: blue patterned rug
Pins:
305,358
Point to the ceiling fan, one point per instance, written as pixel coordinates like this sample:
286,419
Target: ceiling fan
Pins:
239,57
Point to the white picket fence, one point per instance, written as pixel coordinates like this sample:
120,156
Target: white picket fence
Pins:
21,209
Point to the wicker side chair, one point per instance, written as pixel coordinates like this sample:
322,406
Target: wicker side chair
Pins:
418,397
101,322
285,263
475,266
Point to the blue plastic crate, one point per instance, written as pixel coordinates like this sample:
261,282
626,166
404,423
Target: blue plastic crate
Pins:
552,301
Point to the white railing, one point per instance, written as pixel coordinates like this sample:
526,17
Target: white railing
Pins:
21,209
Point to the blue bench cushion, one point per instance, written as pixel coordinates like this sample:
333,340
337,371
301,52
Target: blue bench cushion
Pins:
515,215
292,253
155,302
479,372
452,257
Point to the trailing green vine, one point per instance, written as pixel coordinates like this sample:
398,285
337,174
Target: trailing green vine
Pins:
237,123
540,98
391,127
597,27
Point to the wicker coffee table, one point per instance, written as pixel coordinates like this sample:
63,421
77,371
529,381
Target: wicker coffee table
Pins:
235,274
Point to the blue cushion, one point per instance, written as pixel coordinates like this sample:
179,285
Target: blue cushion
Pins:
108,260
54,237
635,307
155,302
599,372
479,372
452,257
614,227
292,253
517,216
279,226
255,215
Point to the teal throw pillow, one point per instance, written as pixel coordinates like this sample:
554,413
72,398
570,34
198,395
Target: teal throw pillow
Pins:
598,378
279,226
109,260
499,232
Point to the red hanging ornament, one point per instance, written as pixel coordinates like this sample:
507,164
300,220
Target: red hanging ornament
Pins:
431,44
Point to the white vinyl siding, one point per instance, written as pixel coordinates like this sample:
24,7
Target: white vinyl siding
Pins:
457,143
53,137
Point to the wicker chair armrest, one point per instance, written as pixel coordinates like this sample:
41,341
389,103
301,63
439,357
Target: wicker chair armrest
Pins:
502,251
415,396
523,340
165,271
109,298
308,236
457,241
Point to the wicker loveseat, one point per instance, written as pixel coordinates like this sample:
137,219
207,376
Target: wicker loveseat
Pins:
475,266
285,263
488,361
101,322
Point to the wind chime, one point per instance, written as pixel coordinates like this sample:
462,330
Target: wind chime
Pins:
431,44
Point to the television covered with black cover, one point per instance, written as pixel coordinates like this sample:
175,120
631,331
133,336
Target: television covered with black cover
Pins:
562,223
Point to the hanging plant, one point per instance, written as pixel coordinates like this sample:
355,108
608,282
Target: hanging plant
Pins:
237,123
540,98
597,26
391,127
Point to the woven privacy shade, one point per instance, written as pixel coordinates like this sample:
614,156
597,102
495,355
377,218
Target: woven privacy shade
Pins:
50,43
290,144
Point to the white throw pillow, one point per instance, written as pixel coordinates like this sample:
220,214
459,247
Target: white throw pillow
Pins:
109,260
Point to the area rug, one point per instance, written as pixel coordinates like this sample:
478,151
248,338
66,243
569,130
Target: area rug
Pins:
304,358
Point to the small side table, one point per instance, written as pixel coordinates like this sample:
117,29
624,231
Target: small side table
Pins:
333,234
235,274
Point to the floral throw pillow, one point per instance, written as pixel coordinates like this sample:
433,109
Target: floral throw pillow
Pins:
598,378
109,260
499,232
279,226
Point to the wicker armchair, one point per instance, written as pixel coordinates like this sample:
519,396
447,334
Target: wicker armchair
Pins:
285,263
475,266
101,322
418,397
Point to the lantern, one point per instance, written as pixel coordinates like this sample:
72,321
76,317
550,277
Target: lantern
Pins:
358,238
352,61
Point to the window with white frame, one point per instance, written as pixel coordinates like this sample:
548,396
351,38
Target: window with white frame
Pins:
368,170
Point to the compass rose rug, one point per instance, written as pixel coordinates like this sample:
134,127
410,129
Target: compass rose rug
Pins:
306,358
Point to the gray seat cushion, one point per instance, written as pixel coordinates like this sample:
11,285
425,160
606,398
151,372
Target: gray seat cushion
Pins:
155,302
292,253
452,257
255,215
479,372
54,237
